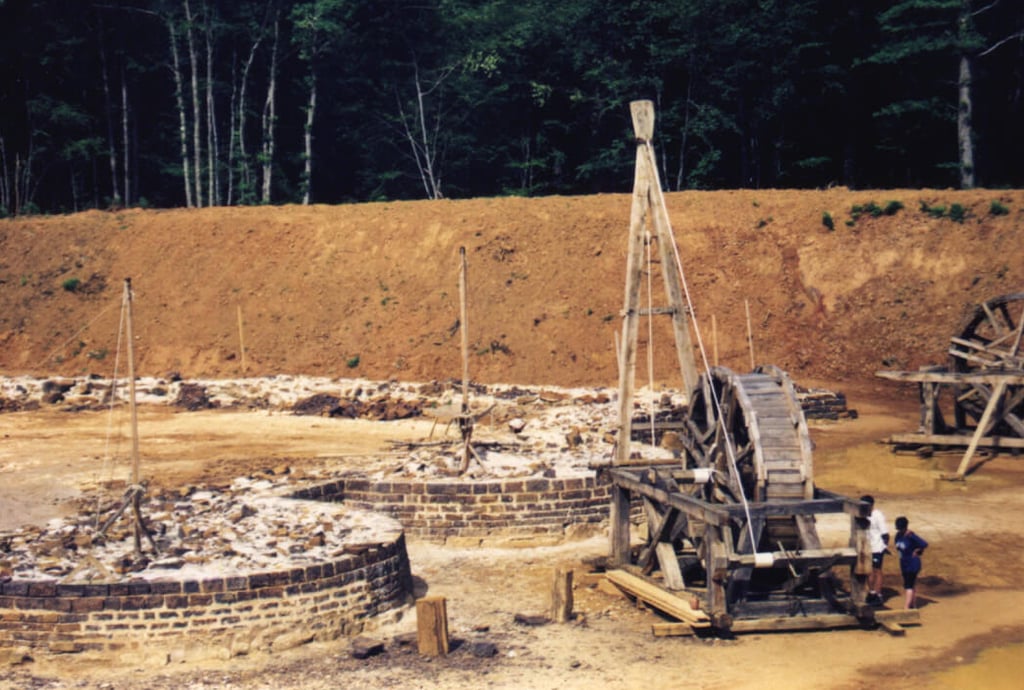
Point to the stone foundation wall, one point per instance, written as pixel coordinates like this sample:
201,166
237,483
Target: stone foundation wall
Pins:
442,509
225,616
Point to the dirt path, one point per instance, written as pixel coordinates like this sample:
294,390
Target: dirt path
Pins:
970,589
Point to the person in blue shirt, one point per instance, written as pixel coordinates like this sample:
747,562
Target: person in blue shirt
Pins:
910,547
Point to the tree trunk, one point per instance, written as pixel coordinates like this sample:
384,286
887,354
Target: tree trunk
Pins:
423,141
964,128
244,170
124,136
197,149
269,119
5,180
179,95
115,193
307,176
212,189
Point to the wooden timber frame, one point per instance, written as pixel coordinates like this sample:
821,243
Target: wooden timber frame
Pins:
977,401
731,542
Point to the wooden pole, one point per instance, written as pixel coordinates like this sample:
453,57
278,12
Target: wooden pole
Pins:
241,340
750,334
714,339
465,421
561,596
432,626
136,493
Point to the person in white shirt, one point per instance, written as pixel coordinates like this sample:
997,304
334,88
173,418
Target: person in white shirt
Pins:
878,537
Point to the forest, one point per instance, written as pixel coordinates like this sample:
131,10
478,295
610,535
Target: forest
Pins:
193,103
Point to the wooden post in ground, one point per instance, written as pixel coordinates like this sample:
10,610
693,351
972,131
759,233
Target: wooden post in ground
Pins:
241,340
432,626
750,335
561,596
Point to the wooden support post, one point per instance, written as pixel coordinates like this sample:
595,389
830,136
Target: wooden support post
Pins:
994,403
561,596
619,528
432,626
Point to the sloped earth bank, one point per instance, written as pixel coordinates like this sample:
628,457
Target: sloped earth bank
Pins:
371,291
970,590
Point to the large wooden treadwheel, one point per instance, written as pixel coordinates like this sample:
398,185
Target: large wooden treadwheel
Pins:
749,430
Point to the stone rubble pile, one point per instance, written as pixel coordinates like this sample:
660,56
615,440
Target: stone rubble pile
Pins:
250,527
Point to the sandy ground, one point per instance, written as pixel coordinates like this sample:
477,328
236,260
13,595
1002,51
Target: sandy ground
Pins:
972,632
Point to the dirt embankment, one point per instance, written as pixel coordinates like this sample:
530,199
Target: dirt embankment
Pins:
372,289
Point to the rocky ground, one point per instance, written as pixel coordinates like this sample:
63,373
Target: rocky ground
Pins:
970,618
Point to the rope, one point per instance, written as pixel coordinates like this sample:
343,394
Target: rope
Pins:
730,451
74,335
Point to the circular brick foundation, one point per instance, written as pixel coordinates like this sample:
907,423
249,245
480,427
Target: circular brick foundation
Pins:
216,616
481,509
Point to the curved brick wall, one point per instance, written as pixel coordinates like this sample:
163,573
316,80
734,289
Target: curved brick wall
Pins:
223,616
439,509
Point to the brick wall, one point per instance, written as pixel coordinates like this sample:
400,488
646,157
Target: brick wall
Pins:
224,615
499,507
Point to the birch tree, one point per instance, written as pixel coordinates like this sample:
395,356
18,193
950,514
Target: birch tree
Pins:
317,26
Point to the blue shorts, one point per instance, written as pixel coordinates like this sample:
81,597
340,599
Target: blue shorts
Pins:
876,559
909,579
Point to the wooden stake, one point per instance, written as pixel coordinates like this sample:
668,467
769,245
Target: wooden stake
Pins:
561,596
432,626
241,340
714,339
750,334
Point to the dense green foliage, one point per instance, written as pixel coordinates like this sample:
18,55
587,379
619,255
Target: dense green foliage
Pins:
207,102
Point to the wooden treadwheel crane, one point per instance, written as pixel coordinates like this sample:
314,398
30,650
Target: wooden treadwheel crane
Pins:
977,400
731,542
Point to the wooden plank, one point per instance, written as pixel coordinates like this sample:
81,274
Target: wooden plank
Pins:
901,616
954,440
894,629
1015,378
658,598
672,630
783,623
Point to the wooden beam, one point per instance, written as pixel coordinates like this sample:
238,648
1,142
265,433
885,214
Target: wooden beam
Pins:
672,630
901,616
657,598
949,440
619,528
984,424
952,377
818,622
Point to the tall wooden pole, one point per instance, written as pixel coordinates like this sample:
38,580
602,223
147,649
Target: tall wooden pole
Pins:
136,493
466,420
